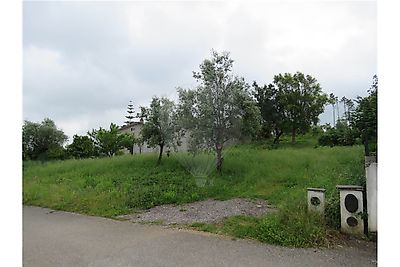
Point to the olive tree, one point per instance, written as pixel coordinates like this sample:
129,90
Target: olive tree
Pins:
217,110
159,128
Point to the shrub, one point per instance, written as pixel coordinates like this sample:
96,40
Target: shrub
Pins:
81,147
55,153
332,210
342,135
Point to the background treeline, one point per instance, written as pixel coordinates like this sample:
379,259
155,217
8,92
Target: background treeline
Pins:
221,108
44,141
358,123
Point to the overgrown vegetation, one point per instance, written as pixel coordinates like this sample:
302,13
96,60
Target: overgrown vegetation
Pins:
291,104
341,135
123,184
286,228
359,125
219,110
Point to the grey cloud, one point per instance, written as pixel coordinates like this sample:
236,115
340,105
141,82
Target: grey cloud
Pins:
83,61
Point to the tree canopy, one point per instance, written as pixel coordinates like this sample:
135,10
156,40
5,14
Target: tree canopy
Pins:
365,116
215,111
82,147
271,110
108,142
291,104
42,140
301,99
160,127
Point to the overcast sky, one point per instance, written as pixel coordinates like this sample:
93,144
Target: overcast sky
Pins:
83,62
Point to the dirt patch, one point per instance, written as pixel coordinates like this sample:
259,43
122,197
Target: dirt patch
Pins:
206,211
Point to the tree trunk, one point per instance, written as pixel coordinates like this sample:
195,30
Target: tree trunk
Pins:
366,145
293,135
161,151
219,159
333,109
277,136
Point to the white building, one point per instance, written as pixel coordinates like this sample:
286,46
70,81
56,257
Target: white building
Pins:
136,127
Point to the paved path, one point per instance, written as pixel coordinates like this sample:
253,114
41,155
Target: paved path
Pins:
53,238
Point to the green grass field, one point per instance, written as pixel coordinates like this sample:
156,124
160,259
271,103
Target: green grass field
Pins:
119,185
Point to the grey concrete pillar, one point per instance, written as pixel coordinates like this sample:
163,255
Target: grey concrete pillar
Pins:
372,188
351,208
316,199
369,159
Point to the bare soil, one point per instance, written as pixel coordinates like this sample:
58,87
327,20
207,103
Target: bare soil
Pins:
207,211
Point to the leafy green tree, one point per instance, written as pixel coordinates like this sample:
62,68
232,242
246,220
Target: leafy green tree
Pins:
56,153
108,142
251,119
216,111
82,147
160,127
341,135
128,142
301,99
42,140
365,116
271,110
140,143
350,109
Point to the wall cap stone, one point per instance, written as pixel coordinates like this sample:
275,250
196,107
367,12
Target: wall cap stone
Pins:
316,189
350,187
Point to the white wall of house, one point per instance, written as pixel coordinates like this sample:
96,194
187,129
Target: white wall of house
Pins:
136,127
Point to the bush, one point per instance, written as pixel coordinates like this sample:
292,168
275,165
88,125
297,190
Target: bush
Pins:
342,135
56,152
326,140
82,147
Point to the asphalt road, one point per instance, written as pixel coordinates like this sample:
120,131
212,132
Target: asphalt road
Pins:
54,238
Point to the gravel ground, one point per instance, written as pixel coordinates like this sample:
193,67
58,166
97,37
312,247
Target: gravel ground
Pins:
202,211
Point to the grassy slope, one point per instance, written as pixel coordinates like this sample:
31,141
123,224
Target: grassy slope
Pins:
119,185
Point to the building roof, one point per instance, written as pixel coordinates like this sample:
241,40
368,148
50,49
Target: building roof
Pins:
134,123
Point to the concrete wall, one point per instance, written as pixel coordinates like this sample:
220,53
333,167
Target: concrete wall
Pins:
372,188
